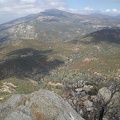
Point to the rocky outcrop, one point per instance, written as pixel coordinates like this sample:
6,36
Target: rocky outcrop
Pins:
105,93
39,105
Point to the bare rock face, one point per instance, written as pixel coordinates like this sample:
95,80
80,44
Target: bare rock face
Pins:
39,105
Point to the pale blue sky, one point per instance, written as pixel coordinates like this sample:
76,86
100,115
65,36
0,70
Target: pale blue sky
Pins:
95,4
11,9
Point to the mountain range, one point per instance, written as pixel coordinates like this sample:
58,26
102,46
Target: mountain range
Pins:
55,25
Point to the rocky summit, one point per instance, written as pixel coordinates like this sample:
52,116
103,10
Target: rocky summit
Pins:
39,105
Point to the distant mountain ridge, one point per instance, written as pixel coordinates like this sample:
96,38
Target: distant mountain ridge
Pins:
109,35
100,15
55,25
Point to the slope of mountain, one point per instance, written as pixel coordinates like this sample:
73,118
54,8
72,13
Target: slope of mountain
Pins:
32,64
101,52
33,59
54,25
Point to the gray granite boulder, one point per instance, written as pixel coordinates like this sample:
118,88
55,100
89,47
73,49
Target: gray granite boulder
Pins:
105,93
39,105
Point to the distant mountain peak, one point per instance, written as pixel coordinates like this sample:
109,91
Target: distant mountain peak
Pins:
55,12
